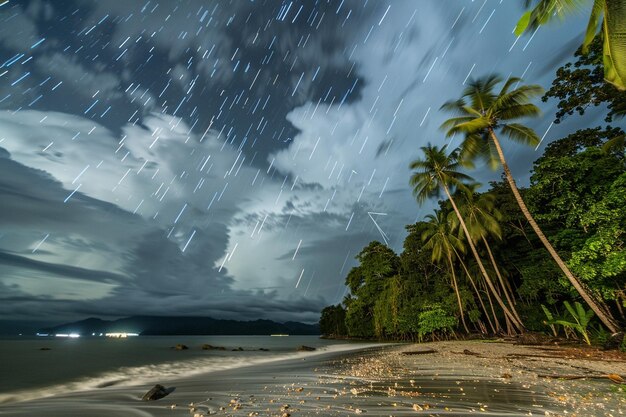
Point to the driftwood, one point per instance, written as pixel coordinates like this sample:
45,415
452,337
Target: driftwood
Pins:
419,352
568,357
613,377
467,352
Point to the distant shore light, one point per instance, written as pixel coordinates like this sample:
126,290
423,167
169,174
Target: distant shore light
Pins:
121,334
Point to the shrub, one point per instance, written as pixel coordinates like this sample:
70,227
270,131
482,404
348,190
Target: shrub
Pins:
435,322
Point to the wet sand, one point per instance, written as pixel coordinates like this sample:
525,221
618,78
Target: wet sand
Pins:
469,377
459,379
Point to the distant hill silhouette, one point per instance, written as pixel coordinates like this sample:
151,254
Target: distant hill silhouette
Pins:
166,325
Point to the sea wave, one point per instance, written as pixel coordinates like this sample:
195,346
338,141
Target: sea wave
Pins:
147,374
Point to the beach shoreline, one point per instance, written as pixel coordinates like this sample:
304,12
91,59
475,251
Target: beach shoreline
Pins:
456,378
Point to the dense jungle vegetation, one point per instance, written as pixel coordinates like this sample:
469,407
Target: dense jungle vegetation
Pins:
499,259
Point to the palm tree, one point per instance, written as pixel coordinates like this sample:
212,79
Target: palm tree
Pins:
495,328
440,238
480,112
440,171
614,11
482,221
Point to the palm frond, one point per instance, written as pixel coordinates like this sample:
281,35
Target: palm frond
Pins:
614,50
520,96
454,106
474,126
491,157
435,171
424,186
508,83
592,26
521,134
545,11
518,111
453,121
473,145
480,92
618,143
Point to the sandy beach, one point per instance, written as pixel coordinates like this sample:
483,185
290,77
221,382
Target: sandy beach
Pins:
459,378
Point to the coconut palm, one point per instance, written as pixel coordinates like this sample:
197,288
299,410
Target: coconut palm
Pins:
614,11
440,237
438,172
480,112
495,324
483,222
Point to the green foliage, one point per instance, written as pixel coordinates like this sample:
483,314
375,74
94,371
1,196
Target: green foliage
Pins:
355,279
333,321
550,320
377,261
572,175
377,264
599,335
601,260
581,318
359,318
541,280
581,84
578,192
387,308
435,322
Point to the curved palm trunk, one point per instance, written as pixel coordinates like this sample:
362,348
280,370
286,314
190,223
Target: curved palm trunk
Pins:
597,306
509,327
456,291
505,309
493,311
501,279
480,300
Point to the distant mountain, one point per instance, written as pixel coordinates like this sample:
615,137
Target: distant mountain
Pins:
162,325
17,327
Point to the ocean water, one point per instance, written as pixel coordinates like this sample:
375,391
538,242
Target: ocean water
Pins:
27,371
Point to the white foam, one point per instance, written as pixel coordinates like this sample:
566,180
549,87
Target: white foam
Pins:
146,374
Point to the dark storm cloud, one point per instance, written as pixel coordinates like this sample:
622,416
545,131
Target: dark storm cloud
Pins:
158,268
30,194
8,259
239,307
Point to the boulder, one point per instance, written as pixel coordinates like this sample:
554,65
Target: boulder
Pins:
264,350
180,346
156,392
239,349
303,348
206,346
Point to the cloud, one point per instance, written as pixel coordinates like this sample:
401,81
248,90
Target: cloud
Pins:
90,82
17,30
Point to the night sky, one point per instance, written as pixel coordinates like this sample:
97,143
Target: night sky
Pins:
220,158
